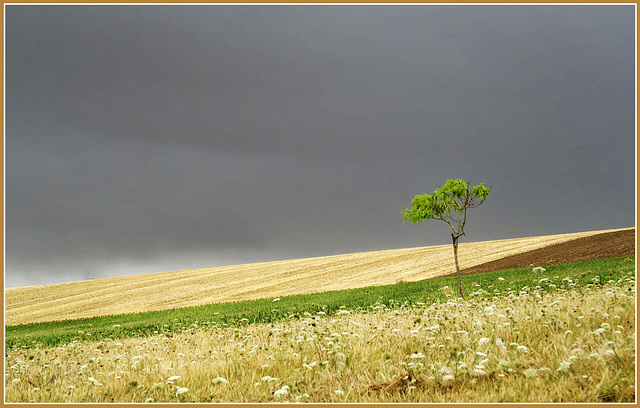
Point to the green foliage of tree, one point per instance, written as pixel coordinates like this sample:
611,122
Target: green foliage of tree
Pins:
448,203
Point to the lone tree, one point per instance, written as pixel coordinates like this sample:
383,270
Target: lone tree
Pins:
448,203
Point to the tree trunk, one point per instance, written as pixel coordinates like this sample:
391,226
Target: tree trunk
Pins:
455,256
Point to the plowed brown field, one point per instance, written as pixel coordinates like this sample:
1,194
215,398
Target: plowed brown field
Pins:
600,246
195,287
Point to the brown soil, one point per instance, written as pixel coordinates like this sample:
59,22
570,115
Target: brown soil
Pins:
600,246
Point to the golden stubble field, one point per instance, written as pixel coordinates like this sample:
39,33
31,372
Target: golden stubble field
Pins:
166,290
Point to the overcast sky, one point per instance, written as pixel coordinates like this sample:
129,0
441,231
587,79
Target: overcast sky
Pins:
145,139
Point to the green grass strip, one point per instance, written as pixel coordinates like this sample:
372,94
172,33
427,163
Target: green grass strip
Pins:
236,314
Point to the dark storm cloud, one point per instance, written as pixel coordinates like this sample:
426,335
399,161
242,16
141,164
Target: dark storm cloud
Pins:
172,137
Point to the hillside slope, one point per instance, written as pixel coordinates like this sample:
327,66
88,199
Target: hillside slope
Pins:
160,291
600,246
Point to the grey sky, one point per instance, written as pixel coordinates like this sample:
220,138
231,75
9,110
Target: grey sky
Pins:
152,138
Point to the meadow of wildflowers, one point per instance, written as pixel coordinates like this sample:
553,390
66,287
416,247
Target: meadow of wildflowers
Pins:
550,341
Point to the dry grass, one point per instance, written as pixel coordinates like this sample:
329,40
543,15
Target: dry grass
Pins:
167,290
533,345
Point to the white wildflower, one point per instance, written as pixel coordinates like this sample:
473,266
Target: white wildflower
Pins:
181,390
530,372
609,353
501,345
220,380
595,356
478,372
538,269
276,299
447,377
93,381
417,355
310,366
339,392
280,393
522,349
564,366
173,378
599,331
483,341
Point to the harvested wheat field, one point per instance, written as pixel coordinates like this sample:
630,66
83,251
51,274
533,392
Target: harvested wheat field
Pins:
161,291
